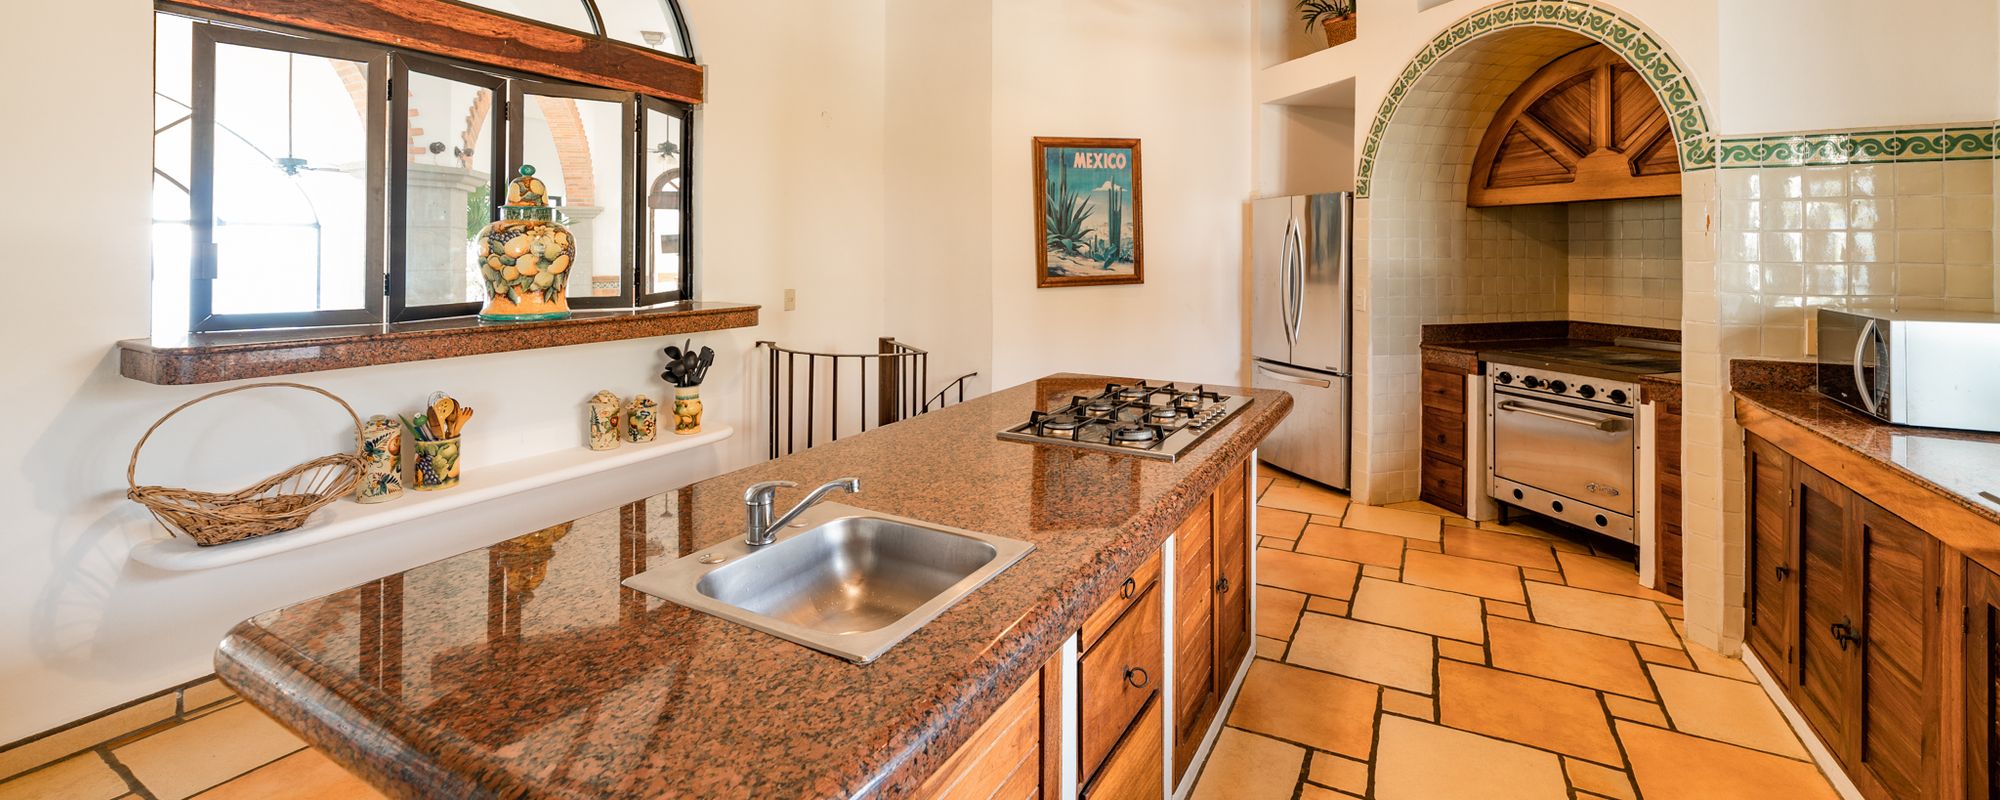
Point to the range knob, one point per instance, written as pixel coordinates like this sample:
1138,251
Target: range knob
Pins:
1586,391
1504,378
1558,387
1531,382
1617,396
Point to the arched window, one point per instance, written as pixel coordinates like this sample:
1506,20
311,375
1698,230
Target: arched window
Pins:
305,179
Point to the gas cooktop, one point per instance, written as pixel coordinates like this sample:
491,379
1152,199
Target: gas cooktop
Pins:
1624,360
1157,421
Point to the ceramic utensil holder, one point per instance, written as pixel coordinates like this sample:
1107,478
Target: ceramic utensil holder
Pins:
687,410
436,465
381,461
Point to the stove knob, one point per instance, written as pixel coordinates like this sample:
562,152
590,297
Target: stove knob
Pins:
1617,396
1505,378
1531,382
1586,391
1558,387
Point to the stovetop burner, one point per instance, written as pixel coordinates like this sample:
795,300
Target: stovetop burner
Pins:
1147,419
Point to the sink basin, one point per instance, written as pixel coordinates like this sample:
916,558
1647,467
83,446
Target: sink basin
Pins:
839,579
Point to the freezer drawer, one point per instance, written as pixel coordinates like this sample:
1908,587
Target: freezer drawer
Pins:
1312,441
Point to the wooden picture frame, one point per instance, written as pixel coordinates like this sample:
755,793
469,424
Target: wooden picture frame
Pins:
1080,220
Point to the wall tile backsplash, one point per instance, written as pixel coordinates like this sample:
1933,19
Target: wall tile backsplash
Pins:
1625,262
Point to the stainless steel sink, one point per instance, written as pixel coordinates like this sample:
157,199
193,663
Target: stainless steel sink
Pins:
839,579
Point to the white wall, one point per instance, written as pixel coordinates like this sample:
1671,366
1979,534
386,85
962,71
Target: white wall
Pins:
1174,74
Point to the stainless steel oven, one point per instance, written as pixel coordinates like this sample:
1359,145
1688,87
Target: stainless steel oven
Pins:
1565,446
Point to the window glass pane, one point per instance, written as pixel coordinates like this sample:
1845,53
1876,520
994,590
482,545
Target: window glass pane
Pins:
647,23
290,182
562,13
576,149
173,65
171,257
666,200
450,191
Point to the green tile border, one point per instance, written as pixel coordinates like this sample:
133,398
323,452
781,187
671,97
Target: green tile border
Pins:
1625,37
1962,142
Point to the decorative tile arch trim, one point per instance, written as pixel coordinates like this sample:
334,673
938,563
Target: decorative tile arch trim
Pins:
1624,36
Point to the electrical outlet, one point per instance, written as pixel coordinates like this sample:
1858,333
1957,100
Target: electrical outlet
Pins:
1361,299
791,299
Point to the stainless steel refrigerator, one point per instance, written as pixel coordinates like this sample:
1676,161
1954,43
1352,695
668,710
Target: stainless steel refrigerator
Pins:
1301,309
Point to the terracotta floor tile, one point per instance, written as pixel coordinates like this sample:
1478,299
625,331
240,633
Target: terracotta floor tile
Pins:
1409,704
1407,524
1670,656
1464,575
1461,651
1726,710
1531,711
1312,708
1585,659
1636,710
1499,609
1555,540
1420,761
1674,610
1428,547
118,723
1326,519
82,777
1715,663
1275,544
1373,653
1308,791
1262,484
1601,780
305,775
1605,575
1345,774
1506,548
1543,575
1325,577
1304,499
1270,648
1279,523
207,692
1278,611
1597,612
188,758
1381,573
1418,608
1421,507
1245,765
1362,547
1323,605
1673,766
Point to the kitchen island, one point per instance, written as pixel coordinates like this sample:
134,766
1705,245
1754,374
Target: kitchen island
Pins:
525,669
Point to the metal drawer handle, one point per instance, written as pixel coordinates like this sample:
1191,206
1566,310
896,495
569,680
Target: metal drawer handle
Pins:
1609,425
1143,677
1222,586
1130,588
1783,572
1843,632
1290,378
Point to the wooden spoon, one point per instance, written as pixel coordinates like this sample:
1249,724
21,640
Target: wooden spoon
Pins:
458,422
442,409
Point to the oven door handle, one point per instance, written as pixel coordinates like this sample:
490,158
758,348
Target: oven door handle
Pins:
1607,425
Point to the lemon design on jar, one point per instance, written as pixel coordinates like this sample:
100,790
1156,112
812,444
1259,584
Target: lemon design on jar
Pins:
525,256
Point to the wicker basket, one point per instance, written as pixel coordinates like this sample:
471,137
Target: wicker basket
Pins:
276,504
1339,30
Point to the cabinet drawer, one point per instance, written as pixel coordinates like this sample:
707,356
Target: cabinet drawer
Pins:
1444,391
1128,593
1445,431
1118,677
1443,483
1133,771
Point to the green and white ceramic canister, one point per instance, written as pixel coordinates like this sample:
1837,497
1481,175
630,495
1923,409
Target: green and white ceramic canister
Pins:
604,413
642,419
381,461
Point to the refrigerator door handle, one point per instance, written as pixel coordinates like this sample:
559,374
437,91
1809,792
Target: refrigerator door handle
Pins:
1301,380
1298,281
1287,301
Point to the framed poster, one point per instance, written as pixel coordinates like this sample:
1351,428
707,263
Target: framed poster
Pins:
1087,211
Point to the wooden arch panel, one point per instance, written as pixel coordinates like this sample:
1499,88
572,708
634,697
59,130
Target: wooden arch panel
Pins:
1585,127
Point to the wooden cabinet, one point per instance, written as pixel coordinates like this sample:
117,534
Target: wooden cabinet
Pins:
1133,770
1443,472
1013,755
1845,607
1232,574
1196,695
1981,695
1120,675
1667,503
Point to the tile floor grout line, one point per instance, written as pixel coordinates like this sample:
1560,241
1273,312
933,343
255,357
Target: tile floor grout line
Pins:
132,782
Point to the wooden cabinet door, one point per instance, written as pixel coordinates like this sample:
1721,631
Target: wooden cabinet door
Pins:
1232,576
1822,666
1117,678
1133,770
1195,693
1894,743
1981,687
1771,606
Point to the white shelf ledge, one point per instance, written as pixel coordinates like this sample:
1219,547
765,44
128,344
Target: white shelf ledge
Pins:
346,518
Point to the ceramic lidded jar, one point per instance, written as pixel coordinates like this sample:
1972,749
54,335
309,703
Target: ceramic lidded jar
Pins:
604,412
642,419
525,256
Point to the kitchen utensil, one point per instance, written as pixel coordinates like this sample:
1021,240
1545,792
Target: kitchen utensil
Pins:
458,422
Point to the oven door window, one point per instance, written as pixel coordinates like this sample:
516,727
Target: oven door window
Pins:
1571,450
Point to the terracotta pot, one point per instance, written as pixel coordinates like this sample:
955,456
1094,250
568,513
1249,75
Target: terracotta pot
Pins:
1339,30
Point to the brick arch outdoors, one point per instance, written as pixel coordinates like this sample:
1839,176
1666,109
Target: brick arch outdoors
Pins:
1666,75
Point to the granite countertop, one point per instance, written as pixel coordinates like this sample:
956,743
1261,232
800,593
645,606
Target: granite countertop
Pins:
525,669
1958,466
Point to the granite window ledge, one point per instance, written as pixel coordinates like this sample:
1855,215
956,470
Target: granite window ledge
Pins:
215,357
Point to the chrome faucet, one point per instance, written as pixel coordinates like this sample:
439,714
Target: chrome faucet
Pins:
759,528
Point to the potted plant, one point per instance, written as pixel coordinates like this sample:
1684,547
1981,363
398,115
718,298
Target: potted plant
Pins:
1336,17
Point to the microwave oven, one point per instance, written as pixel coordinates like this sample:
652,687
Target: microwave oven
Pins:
1934,369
